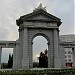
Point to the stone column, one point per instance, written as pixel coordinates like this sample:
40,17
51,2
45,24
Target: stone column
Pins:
50,62
25,59
16,56
30,53
56,51
14,59
0,56
20,50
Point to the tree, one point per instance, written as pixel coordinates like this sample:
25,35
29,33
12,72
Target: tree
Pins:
43,59
10,61
46,52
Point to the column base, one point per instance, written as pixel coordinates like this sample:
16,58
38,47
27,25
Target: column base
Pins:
25,63
57,63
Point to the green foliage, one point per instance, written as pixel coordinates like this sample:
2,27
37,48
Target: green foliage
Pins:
10,61
35,64
43,59
40,72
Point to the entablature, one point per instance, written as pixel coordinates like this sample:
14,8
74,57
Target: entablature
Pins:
7,44
68,44
38,25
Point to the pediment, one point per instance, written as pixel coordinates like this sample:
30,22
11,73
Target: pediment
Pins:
39,15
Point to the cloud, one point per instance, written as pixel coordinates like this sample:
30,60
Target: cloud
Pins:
11,10
65,11
8,18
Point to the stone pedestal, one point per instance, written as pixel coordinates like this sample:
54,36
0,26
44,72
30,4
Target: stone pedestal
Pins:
25,63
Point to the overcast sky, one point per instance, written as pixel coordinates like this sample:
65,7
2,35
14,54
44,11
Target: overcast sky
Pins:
10,10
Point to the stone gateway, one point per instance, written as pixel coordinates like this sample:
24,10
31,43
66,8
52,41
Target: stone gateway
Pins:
39,22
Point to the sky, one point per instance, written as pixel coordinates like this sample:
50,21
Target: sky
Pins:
11,10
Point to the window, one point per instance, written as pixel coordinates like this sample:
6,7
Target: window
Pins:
69,48
69,52
69,60
65,52
66,60
63,37
69,56
72,48
65,56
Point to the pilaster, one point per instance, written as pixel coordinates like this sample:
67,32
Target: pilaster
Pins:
56,51
20,50
0,56
25,59
14,59
73,57
16,56
62,56
50,57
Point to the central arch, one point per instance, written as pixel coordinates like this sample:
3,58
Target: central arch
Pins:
41,34
46,33
46,41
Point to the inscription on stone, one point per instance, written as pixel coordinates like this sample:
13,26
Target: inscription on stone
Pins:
39,24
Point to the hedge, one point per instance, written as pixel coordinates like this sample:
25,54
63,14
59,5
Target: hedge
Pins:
40,72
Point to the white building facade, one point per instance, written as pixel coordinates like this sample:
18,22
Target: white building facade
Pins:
69,60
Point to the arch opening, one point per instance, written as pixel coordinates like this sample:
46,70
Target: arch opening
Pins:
40,45
7,58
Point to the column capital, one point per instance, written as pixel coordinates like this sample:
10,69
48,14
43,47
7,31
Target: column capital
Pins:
20,29
57,29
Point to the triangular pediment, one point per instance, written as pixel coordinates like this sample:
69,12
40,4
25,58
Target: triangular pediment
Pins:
39,15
